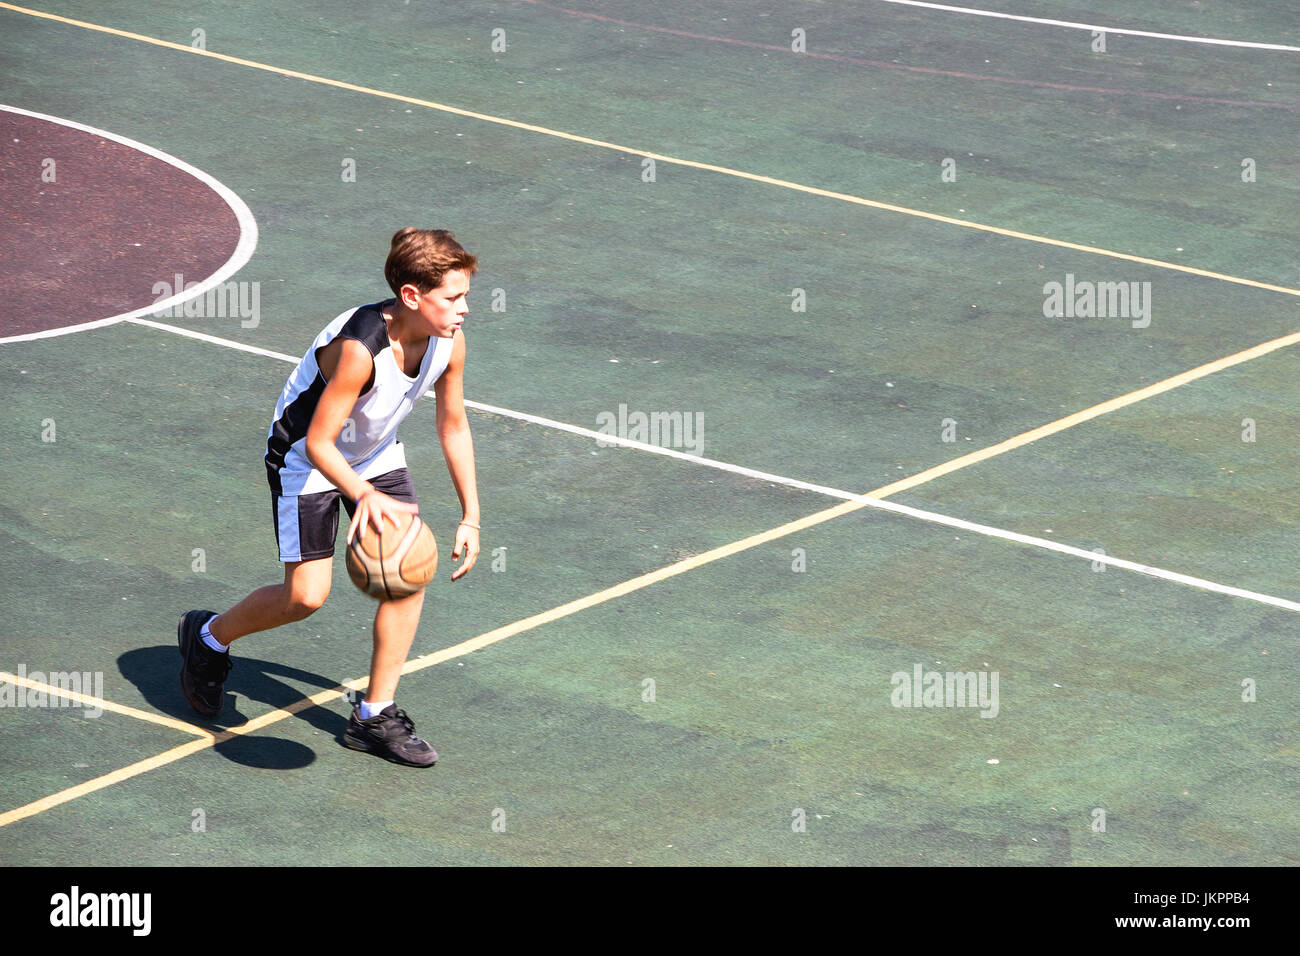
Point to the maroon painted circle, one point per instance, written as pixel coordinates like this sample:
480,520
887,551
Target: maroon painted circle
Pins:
92,243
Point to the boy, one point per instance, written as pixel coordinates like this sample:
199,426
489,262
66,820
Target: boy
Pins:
335,436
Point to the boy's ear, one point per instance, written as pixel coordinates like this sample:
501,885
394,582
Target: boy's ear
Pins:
410,295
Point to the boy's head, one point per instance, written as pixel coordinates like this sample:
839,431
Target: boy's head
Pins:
421,257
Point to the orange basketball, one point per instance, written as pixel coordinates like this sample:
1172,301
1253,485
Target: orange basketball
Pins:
396,562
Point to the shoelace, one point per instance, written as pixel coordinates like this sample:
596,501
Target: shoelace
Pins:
406,721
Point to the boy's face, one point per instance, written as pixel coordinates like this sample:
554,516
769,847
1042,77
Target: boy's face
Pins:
443,308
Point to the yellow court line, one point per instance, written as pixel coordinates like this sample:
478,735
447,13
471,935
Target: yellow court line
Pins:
171,756
420,663
99,702
99,783
658,157
1078,418
659,574
930,474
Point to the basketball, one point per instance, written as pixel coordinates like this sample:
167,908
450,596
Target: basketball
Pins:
393,563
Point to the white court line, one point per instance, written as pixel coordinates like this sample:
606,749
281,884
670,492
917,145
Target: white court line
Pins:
868,500
971,11
204,337
1080,553
238,259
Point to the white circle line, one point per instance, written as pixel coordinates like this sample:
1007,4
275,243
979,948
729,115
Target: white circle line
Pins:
238,259
971,11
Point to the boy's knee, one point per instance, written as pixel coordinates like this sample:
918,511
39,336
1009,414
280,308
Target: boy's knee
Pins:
305,602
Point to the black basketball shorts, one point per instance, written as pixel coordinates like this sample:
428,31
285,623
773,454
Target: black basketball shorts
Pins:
306,525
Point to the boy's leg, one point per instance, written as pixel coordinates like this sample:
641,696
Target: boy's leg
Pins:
305,528
397,618
384,730
389,732
395,625
306,586
204,669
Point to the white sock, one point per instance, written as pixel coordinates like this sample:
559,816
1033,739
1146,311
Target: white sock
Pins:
369,710
211,641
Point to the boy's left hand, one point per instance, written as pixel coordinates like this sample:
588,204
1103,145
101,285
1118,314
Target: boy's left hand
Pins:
467,544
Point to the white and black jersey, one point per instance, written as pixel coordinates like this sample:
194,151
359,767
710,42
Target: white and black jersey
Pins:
368,439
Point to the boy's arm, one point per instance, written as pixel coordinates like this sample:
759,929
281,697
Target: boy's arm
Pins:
346,366
458,449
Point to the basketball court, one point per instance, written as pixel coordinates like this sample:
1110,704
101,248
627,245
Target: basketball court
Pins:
768,410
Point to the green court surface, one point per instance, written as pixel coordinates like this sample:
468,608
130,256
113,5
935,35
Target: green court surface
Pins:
735,702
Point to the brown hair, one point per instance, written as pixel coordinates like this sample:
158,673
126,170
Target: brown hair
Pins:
423,256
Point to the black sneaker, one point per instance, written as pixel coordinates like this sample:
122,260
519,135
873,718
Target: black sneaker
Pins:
391,735
203,675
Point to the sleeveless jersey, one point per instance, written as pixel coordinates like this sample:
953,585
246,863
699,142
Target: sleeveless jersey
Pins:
368,439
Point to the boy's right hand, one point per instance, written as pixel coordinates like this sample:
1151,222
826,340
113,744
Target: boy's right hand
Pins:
373,508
